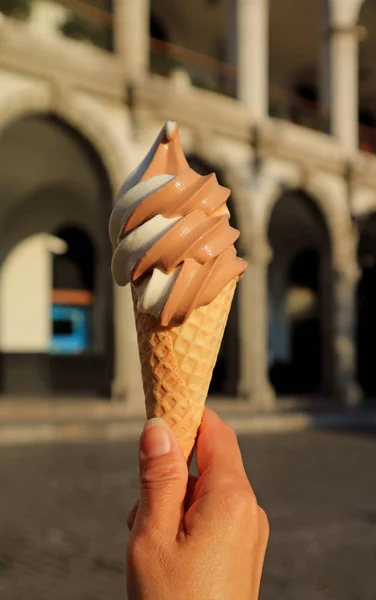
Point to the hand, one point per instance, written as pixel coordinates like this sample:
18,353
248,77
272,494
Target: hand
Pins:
195,538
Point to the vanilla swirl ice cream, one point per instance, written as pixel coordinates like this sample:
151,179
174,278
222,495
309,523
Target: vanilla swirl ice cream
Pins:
171,234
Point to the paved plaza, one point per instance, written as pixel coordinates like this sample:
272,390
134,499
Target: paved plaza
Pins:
63,509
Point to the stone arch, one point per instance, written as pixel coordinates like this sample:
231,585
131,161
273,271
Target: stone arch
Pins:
71,214
335,215
330,198
300,296
42,102
76,194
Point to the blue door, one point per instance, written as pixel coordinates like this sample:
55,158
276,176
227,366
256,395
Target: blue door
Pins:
70,330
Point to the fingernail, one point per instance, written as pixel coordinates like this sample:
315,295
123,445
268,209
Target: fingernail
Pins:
155,439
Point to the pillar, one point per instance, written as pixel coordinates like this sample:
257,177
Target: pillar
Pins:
127,383
131,36
339,79
252,17
253,331
344,313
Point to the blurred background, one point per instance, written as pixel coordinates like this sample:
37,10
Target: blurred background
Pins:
278,98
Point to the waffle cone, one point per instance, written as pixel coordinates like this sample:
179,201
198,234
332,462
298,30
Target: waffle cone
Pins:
177,364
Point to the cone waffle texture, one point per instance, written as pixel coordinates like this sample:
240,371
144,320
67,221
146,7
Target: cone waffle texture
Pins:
177,364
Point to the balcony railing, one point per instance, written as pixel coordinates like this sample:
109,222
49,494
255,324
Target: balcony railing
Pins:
79,19
211,74
85,20
204,72
291,107
88,23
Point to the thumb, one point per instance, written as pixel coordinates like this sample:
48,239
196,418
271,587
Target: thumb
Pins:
163,479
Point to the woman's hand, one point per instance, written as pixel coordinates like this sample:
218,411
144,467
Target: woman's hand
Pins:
195,538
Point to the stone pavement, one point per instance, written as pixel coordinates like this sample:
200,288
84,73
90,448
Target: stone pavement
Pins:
35,421
63,508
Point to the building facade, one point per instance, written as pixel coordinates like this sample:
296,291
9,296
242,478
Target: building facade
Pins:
276,96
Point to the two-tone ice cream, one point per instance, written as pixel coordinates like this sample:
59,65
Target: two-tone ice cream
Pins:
171,234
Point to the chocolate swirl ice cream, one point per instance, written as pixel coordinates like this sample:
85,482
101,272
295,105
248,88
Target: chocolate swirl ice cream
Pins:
171,234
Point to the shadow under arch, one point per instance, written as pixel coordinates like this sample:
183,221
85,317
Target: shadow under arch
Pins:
75,268
161,58
301,358
85,124
157,29
60,179
226,372
366,306
367,77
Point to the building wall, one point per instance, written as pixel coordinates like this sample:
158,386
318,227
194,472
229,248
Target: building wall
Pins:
25,296
260,157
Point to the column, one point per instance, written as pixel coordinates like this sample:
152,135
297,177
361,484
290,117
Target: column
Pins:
127,383
252,26
344,314
339,79
131,36
253,331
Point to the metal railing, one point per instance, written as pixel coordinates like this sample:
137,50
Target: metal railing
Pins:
83,19
286,105
211,74
204,71
89,11
307,113
88,22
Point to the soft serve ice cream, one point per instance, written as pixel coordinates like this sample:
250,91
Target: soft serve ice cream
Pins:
171,234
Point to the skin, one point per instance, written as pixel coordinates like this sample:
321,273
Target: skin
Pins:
202,538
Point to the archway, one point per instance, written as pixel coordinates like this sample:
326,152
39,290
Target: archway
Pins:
60,188
225,374
300,297
74,269
366,307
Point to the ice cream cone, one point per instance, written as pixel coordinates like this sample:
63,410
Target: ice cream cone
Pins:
174,244
177,364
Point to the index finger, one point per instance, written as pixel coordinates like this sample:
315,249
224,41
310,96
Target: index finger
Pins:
223,482
217,447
